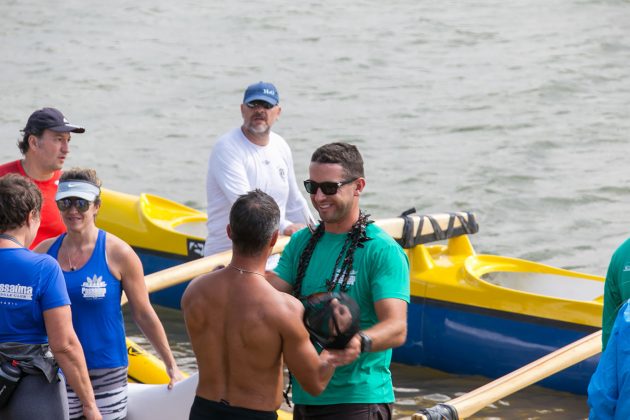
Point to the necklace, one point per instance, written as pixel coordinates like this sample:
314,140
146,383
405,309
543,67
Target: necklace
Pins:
243,271
355,238
11,238
70,264
72,267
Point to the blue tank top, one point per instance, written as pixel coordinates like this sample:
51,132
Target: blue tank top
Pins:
96,312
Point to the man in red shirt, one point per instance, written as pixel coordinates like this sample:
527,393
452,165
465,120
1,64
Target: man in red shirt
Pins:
45,146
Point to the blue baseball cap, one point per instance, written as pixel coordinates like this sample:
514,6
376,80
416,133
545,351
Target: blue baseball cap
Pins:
261,91
51,119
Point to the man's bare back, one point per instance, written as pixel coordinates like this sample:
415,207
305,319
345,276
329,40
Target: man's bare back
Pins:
240,327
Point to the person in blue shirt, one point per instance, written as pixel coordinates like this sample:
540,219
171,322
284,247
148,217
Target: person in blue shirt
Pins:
35,317
609,389
98,267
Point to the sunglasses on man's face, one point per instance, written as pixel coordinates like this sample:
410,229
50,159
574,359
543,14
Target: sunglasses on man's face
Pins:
328,188
256,104
81,204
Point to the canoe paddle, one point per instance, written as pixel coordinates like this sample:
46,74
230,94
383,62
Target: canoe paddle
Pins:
470,403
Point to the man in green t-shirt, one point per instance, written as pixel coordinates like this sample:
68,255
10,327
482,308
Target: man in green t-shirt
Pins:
347,253
616,288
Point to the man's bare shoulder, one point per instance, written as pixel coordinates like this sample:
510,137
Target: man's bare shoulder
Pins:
222,288
284,307
199,287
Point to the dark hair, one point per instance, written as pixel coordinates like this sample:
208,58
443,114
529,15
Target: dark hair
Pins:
344,154
23,142
83,174
19,196
254,218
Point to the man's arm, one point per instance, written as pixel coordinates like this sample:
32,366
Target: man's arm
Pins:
227,166
603,389
390,286
612,299
313,371
193,310
390,331
278,283
292,228
297,213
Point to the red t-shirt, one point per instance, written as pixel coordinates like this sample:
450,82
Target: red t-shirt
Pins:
51,225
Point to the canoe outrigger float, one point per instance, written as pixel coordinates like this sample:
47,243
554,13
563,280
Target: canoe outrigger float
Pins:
469,314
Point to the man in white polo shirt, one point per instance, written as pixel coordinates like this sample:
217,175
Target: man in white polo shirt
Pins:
248,157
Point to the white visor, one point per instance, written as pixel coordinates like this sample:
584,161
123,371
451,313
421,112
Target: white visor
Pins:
77,188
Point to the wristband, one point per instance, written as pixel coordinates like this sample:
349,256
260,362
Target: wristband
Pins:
366,342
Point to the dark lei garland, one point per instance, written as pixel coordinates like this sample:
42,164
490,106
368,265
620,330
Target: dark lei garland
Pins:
354,239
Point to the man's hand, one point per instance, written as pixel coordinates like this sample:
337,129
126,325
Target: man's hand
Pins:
347,355
291,229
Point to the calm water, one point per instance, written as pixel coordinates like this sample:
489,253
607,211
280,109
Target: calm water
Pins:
519,111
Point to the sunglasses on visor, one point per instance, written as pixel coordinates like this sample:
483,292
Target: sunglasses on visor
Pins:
81,204
328,188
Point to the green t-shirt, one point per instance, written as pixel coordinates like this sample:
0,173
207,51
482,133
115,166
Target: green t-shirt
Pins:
380,271
616,288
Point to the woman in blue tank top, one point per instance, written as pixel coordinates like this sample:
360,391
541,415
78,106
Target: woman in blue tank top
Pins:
35,316
98,267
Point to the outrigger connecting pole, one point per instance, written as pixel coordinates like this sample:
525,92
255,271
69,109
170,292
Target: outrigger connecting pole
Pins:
468,404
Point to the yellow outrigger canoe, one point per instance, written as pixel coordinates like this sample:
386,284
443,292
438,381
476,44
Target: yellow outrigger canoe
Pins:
469,313
144,367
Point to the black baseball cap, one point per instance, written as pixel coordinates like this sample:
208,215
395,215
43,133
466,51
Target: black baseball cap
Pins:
50,119
331,318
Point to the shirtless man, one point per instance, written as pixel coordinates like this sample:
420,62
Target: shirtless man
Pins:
240,327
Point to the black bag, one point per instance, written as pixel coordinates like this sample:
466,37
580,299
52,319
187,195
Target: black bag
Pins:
10,376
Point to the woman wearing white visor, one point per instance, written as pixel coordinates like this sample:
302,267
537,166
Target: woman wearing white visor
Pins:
97,267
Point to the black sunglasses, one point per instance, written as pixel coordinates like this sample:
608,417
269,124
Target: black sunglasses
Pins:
255,104
328,188
81,204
